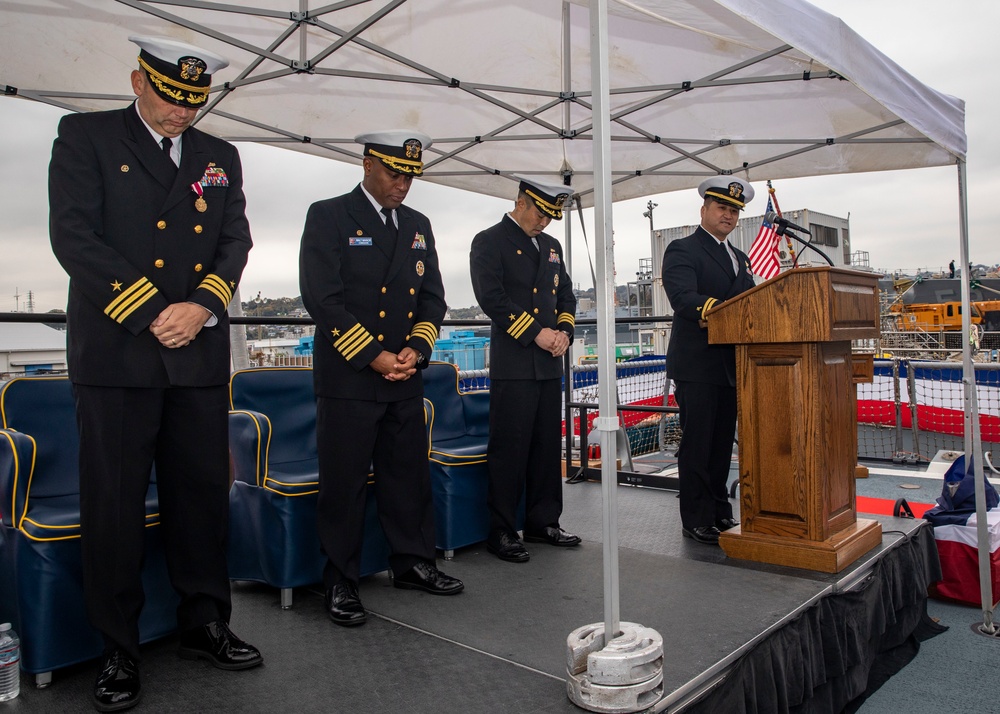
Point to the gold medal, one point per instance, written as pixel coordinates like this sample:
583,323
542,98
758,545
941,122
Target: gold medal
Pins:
200,204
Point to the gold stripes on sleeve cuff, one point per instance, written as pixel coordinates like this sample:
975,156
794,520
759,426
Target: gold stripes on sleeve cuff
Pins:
353,341
567,318
218,287
709,304
520,325
425,331
131,299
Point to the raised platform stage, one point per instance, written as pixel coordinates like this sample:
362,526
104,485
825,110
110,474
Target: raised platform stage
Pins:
729,627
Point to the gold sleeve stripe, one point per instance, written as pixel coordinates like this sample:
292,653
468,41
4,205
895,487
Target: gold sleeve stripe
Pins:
215,291
218,287
566,317
353,341
425,330
132,297
520,325
424,333
709,304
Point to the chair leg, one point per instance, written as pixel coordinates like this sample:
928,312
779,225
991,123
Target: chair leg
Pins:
449,555
43,679
286,598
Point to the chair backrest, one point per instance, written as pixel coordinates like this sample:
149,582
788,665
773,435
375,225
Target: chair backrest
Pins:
286,396
44,409
455,414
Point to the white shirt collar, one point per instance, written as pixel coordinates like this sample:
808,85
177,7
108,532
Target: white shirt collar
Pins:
378,207
175,150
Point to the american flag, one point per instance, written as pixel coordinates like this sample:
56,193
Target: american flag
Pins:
764,251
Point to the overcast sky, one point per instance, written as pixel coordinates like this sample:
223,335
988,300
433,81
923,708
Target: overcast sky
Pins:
905,219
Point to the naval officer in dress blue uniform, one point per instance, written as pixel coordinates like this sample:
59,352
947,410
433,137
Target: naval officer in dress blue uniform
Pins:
700,271
368,270
521,282
147,216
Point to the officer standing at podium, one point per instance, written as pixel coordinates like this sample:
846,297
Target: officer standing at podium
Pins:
700,271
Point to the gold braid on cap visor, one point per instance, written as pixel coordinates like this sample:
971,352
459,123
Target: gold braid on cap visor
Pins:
196,95
549,208
403,166
725,197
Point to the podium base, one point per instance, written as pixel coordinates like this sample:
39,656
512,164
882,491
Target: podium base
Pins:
827,556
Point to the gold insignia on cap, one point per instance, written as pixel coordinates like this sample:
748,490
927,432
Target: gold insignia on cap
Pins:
191,67
413,148
420,267
736,190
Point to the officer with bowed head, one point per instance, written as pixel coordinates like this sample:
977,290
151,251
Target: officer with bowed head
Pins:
521,282
147,216
369,274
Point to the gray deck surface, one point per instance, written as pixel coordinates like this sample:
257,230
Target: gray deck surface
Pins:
498,647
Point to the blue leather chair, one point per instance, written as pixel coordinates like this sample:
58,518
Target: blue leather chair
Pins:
272,503
458,427
41,582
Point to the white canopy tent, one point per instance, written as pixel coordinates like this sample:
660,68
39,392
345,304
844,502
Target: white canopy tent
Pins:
656,94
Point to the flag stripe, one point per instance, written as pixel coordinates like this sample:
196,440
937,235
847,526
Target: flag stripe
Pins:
764,251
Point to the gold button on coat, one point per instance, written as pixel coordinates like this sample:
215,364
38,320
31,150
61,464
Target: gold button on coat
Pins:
383,291
197,229
381,313
412,291
161,224
159,263
381,337
409,314
534,290
536,310
197,268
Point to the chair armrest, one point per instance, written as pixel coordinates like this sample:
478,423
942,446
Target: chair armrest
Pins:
249,441
17,465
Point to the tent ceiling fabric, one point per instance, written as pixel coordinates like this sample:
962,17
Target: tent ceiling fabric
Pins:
767,89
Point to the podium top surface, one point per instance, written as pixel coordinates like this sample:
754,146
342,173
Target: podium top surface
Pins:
819,304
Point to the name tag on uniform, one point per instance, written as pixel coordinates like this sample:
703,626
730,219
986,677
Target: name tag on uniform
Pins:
362,241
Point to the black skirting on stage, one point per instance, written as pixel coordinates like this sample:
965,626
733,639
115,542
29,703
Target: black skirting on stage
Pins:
842,649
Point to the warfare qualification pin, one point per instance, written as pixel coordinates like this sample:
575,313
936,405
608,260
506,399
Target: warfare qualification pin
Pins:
420,267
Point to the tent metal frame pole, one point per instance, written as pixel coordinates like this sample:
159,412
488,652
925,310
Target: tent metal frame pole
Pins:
607,421
973,439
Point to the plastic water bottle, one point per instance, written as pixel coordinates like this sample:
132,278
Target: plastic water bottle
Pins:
10,663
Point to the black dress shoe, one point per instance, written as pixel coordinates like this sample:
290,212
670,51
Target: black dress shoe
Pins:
343,604
117,685
724,524
553,535
216,643
703,534
426,577
507,547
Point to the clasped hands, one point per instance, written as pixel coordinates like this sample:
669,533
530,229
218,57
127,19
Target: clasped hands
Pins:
396,368
556,342
179,324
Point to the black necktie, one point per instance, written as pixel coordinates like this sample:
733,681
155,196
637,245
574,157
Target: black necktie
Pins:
166,143
729,257
389,223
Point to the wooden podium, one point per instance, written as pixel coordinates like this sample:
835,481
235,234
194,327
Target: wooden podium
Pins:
798,436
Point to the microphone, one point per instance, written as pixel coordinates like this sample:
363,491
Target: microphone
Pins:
783,225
